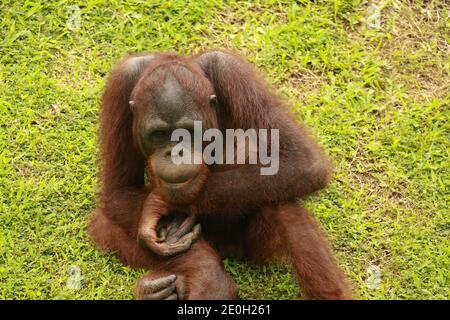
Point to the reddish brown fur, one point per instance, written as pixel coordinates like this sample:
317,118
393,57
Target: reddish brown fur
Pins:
243,214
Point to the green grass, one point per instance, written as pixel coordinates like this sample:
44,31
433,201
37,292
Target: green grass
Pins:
378,100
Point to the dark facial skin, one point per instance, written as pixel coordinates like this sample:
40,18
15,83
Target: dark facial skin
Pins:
172,107
162,228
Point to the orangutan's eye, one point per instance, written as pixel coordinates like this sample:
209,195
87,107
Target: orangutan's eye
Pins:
159,137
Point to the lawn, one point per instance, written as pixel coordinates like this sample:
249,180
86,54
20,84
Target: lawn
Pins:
377,99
